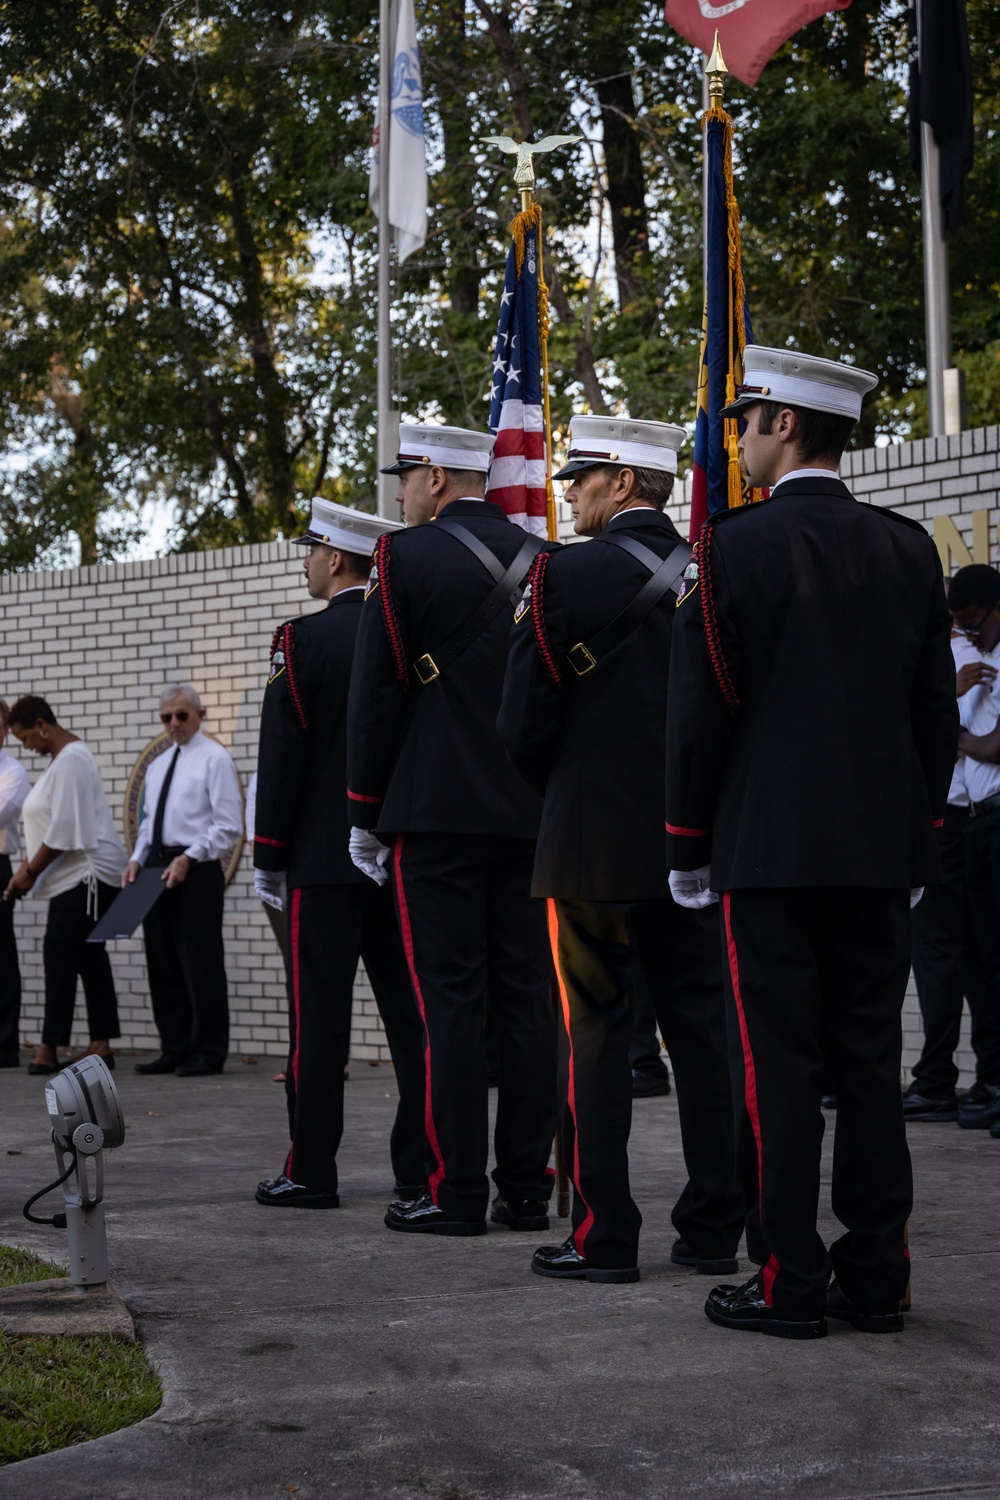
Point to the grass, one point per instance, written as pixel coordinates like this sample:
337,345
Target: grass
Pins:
63,1390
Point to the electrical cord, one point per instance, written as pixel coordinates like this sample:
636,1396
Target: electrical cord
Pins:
59,1220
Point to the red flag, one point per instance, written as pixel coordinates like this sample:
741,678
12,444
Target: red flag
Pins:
750,31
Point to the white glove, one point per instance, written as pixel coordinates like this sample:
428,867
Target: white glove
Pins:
272,887
690,888
915,896
369,855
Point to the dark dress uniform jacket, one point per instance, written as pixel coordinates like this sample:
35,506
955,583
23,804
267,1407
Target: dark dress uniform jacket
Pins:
813,723
303,822
429,759
594,745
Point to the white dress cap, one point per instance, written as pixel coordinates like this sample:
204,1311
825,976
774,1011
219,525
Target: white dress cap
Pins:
345,528
448,447
801,380
620,440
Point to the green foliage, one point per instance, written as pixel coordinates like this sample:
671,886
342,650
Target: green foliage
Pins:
187,258
18,1267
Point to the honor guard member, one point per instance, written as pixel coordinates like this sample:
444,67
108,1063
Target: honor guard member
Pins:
336,915
809,756
583,719
428,774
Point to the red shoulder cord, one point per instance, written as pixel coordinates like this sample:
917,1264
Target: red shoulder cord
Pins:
293,682
715,652
388,611
536,582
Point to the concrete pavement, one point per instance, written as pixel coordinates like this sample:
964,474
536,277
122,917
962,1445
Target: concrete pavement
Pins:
319,1354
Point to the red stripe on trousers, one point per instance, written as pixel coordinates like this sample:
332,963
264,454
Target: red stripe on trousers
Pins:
750,1075
406,932
579,1235
294,933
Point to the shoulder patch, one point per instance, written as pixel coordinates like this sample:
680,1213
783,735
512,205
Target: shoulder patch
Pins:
523,605
277,662
689,582
372,584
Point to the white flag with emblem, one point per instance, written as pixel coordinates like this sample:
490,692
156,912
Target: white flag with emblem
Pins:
407,155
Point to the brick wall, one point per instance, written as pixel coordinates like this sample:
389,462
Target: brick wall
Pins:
101,642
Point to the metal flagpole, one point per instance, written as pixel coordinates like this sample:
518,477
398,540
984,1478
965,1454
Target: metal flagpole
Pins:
387,429
944,384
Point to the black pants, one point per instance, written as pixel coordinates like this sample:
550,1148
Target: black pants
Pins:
67,957
982,883
470,926
10,973
816,976
187,966
645,1053
329,929
948,966
595,946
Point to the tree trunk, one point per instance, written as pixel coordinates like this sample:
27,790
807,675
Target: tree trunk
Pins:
626,181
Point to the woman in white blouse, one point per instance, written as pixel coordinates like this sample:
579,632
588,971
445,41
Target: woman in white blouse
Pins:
75,859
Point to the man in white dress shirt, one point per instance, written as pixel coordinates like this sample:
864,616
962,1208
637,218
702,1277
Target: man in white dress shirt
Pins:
14,787
193,816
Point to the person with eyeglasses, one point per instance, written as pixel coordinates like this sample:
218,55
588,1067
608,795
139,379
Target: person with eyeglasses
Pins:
192,818
974,601
75,859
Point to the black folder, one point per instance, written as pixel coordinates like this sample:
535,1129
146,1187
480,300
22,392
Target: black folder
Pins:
130,906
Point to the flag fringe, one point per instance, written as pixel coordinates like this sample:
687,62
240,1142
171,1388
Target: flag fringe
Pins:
519,229
736,494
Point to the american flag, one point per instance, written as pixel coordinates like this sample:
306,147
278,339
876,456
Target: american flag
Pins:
518,471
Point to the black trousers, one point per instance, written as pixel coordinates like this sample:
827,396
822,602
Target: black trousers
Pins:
187,966
329,929
645,1052
10,973
595,946
470,927
948,967
815,978
982,883
67,957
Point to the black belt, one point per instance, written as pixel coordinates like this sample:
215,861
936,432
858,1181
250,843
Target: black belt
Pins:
163,856
988,804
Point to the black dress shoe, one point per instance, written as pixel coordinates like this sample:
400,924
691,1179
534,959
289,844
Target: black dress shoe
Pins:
197,1067
650,1083
10,1059
407,1192
682,1255
828,1101
980,1113
565,1263
995,1130
280,1192
839,1306
167,1062
423,1216
917,1106
520,1213
42,1070
743,1307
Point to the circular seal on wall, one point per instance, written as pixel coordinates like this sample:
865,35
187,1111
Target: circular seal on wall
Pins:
135,795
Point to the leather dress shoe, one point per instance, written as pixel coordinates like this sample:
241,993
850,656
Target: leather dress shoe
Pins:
42,1070
520,1213
649,1083
917,1106
682,1255
828,1101
838,1305
10,1059
167,1062
995,1130
281,1192
197,1067
423,1216
565,1263
407,1192
743,1307
979,1108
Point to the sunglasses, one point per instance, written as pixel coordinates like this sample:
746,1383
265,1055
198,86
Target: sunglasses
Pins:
181,716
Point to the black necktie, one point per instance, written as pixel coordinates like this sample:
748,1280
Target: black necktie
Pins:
156,844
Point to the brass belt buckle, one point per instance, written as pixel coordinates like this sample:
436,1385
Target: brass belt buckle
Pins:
426,669
583,663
